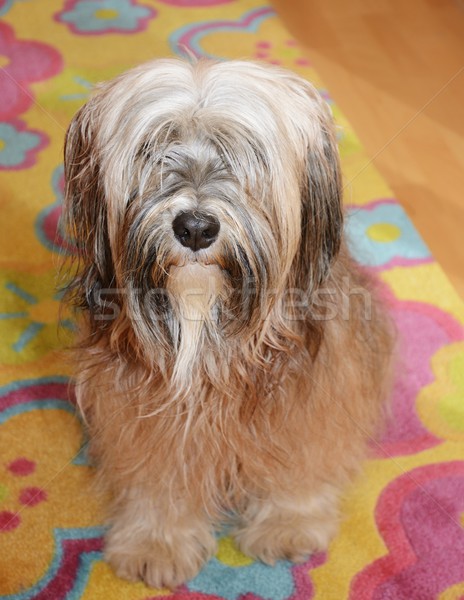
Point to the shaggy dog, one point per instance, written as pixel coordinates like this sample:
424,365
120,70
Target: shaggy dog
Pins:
232,361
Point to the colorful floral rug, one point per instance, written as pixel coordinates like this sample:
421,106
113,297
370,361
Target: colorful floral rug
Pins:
402,536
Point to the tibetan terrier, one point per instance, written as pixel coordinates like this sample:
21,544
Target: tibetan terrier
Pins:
232,361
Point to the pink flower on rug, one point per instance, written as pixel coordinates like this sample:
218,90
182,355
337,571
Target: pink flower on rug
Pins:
418,516
22,63
424,329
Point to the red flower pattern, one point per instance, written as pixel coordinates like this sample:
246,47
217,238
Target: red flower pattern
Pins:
22,62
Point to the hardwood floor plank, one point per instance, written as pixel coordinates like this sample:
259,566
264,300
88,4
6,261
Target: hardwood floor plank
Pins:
396,69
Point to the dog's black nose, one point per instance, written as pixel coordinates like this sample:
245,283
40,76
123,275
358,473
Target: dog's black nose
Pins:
195,230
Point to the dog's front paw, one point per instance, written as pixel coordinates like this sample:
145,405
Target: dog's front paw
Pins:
288,529
159,563
269,541
156,567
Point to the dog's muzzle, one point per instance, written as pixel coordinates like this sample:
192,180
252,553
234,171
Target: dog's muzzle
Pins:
195,230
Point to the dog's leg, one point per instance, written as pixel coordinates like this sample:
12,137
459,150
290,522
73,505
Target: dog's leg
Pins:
289,527
160,542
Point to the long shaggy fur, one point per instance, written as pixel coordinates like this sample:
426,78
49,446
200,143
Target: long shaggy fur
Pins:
241,381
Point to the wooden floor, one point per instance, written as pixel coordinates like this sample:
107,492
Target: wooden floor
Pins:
396,69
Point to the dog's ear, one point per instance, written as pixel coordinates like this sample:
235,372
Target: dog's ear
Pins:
321,206
85,211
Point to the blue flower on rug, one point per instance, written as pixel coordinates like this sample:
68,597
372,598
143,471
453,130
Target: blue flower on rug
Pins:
5,6
381,235
105,16
232,575
18,146
231,583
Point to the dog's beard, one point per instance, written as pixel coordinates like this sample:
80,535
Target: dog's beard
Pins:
196,292
190,306
188,313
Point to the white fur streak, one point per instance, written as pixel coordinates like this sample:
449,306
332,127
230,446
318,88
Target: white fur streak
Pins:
194,290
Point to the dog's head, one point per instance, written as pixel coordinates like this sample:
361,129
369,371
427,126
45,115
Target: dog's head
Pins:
200,192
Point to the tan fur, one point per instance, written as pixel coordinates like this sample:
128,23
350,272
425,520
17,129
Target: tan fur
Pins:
207,400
